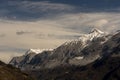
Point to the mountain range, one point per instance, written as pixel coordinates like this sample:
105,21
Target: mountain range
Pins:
94,56
75,52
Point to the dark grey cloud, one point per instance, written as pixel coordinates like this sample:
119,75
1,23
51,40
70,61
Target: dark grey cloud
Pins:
4,48
2,35
23,32
41,9
57,36
66,19
68,36
85,3
31,10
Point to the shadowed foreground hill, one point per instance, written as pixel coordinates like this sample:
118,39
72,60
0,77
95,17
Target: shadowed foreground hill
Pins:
8,72
108,69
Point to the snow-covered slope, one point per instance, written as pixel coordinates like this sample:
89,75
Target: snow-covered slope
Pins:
94,33
22,61
85,39
73,52
37,51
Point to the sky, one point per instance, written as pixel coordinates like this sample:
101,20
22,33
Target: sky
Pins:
46,24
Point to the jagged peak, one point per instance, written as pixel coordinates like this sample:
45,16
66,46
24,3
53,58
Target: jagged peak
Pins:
95,30
84,38
37,51
94,33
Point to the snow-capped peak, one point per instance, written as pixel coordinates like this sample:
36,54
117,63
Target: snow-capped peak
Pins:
95,30
94,33
37,51
86,38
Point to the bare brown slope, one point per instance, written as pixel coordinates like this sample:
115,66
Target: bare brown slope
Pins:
8,72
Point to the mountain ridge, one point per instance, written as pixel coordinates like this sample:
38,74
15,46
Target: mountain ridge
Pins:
107,67
72,52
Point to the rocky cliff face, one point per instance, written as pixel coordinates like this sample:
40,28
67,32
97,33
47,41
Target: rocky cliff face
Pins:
22,60
76,52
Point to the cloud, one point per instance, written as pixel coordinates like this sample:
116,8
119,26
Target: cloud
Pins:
44,6
38,29
8,48
6,57
23,32
81,22
7,52
32,10
2,35
57,36
98,23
